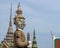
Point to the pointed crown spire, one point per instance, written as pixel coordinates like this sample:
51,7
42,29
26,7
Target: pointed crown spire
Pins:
19,5
19,10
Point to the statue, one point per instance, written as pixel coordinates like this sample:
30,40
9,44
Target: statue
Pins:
19,37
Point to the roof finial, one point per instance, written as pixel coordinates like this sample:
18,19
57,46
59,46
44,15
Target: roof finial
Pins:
34,42
34,32
28,36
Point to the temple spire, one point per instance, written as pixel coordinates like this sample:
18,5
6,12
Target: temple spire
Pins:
34,43
9,36
10,23
28,36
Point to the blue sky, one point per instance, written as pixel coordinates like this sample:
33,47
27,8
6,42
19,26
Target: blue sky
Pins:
43,15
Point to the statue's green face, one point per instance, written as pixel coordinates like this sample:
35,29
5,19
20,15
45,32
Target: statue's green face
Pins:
20,23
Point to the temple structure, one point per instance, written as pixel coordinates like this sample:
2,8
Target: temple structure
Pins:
9,36
8,40
17,38
34,42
